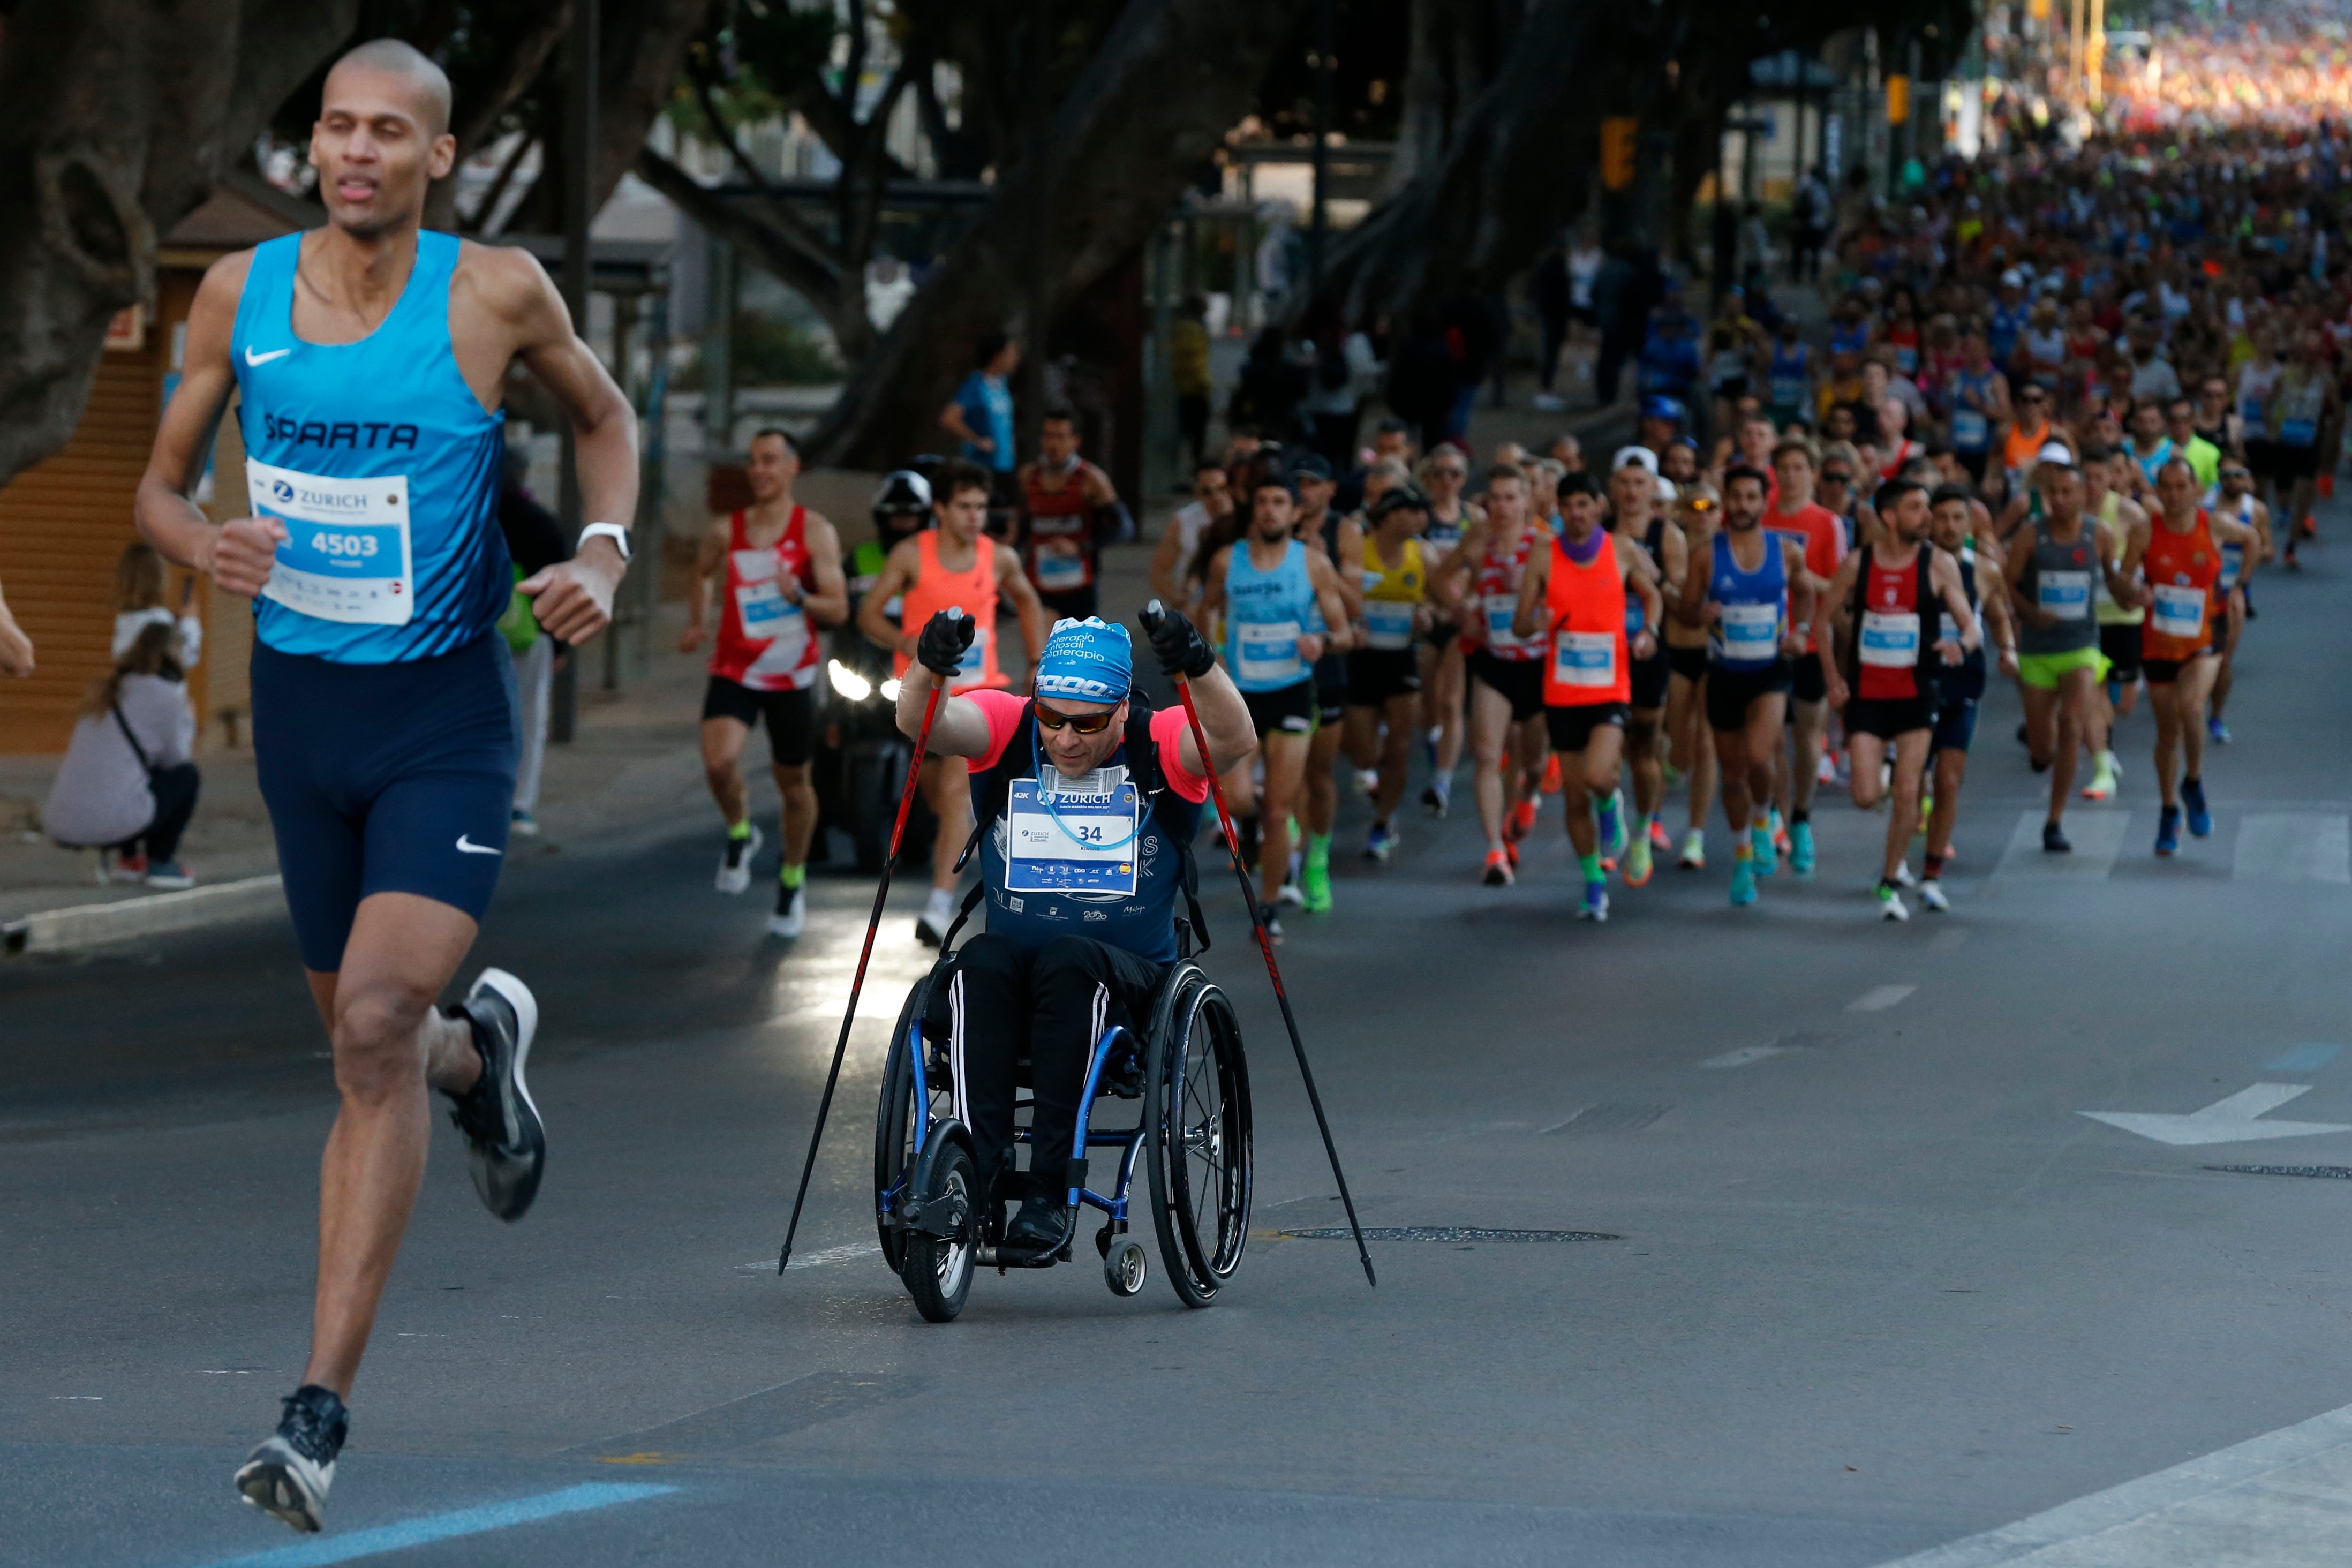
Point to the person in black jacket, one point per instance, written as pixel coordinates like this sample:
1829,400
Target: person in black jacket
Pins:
1270,389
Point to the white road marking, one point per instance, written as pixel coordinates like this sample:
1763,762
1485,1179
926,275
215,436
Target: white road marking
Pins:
2098,837
816,1260
1743,1056
2294,846
1879,998
2279,1501
2230,1120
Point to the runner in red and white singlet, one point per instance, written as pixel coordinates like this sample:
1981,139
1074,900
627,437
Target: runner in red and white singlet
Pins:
775,570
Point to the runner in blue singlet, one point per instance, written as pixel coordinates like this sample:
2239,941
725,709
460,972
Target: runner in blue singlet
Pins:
370,359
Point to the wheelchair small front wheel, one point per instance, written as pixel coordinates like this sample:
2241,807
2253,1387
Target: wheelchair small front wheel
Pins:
937,1269
1125,1266
1196,1122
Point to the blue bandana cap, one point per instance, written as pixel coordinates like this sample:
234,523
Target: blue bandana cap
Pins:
1088,661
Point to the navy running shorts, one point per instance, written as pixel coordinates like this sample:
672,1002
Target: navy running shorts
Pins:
384,778
1955,724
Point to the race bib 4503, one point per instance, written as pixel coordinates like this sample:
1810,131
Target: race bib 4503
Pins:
346,554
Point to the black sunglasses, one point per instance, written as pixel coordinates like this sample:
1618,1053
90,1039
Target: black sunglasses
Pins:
1836,476
1084,723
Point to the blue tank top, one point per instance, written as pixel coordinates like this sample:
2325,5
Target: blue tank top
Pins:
1265,611
1788,378
1141,921
1971,426
381,464
1747,634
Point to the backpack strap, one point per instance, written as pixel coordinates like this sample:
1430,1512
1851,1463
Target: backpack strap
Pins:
1143,767
136,748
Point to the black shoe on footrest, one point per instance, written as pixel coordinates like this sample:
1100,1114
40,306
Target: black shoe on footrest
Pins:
1042,1226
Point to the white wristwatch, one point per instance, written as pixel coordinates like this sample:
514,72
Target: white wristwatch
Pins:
612,531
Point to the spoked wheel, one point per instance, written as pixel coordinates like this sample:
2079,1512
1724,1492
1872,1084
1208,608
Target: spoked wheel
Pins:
1197,1139
937,1269
896,1117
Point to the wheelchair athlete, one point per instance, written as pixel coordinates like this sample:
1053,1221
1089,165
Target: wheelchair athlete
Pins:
1086,801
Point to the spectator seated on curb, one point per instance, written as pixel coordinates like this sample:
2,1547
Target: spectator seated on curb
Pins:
127,784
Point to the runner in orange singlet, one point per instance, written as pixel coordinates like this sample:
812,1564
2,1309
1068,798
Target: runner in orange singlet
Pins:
955,565
2182,561
1572,599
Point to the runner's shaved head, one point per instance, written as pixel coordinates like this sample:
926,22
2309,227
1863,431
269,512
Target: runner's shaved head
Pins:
390,57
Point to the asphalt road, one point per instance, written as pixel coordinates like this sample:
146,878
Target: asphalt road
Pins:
1873,1281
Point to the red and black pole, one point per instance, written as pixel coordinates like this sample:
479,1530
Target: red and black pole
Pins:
873,924
1152,615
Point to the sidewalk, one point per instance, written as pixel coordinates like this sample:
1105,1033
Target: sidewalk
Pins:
634,765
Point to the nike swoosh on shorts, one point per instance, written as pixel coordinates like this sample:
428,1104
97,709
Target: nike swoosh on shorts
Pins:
464,848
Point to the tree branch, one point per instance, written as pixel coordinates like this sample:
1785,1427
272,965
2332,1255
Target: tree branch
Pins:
486,208
760,232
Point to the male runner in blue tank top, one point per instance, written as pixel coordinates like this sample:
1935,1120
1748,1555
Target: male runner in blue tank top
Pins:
1751,590
370,359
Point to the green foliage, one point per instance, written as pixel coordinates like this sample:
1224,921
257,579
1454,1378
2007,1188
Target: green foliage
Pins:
769,353
752,56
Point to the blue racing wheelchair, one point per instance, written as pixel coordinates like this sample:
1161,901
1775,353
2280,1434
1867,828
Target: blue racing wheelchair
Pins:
1192,1137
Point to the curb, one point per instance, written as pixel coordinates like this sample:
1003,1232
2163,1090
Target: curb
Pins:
89,925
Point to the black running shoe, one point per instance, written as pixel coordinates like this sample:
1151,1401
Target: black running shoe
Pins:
289,1474
1042,1226
2054,840
506,1142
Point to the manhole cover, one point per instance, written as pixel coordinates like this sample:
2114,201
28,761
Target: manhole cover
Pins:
2333,1172
1453,1233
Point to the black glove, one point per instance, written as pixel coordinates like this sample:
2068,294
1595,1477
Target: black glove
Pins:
1177,643
946,636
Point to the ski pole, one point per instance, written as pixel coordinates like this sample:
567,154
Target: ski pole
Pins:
1152,615
873,924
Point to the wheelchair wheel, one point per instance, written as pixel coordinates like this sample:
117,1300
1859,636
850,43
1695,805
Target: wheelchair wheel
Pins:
896,1117
1197,1138
937,1269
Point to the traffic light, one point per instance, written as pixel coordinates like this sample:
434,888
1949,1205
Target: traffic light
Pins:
1898,101
1619,137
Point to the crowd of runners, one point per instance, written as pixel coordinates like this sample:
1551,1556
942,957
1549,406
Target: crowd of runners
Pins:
2057,402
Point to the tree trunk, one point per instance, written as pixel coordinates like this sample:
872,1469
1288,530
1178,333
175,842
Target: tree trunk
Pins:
1516,169
644,43
1456,50
794,257
1167,82
116,118
476,121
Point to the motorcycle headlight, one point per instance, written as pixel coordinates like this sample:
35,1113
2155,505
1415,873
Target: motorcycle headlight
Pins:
891,689
847,681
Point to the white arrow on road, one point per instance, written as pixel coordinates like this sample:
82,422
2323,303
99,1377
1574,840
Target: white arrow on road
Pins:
2230,1120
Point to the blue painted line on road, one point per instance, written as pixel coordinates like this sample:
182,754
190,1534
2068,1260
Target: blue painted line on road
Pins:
446,1526
2308,1058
